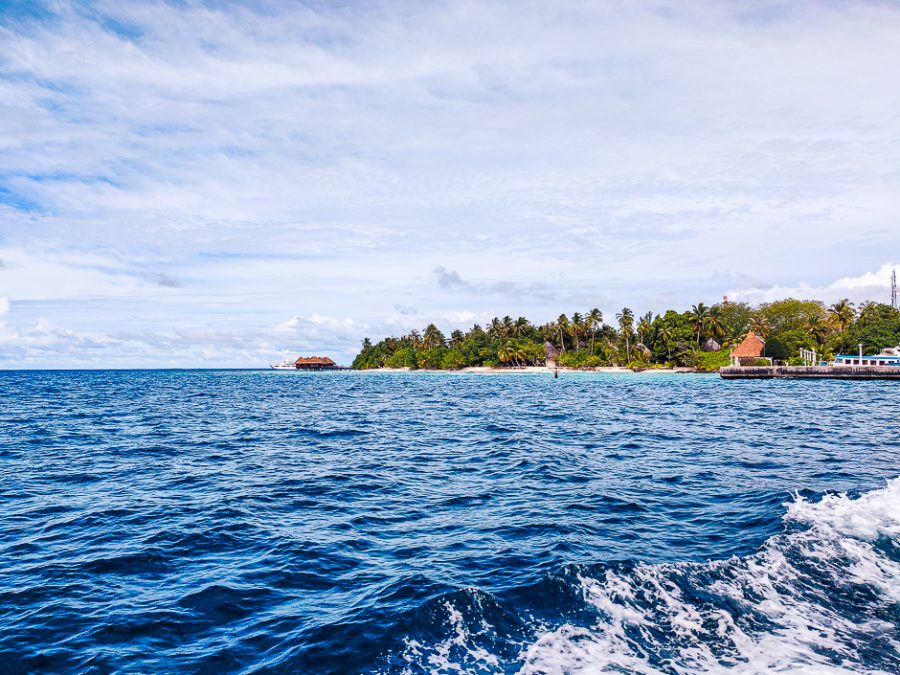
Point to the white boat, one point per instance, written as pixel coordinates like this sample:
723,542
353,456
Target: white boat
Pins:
284,365
889,356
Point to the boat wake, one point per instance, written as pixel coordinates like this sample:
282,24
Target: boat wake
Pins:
823,596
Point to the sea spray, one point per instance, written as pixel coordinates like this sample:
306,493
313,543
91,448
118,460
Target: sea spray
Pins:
821,597
222,521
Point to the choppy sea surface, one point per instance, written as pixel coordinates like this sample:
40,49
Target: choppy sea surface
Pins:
279,522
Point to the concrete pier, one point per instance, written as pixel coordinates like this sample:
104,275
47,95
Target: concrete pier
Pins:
811,372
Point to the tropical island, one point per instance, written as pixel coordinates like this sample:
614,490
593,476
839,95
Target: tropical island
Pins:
699,338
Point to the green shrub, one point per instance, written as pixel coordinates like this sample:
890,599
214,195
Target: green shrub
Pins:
711,361
582,359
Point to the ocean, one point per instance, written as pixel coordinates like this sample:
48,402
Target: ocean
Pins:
280,522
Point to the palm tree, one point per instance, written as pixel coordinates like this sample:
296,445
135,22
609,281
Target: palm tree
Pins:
817,329
511,351
698,315
504,353
521,326
549,331
576,326
507,326
366,344
715,326
841,314
562,323
519,354
626,328
759,325
666,336
496,328
432,337
456,337
595,318
644,326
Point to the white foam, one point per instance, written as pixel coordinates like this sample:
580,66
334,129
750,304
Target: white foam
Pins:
798,626
872,515
455,654
771,612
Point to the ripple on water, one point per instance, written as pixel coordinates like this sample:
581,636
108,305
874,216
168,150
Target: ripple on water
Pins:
251,521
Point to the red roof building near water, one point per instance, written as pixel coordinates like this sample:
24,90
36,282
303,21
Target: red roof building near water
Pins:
314,363
746,353
752,346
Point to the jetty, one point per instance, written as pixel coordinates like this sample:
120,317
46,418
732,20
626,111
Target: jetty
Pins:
810,372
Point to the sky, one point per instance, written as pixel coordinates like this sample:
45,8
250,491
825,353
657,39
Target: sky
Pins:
226,184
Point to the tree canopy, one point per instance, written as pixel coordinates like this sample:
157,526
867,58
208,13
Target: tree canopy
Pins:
583,340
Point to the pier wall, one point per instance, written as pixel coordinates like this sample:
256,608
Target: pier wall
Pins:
812,372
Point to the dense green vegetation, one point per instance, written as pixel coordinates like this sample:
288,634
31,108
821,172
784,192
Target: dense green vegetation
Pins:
698,338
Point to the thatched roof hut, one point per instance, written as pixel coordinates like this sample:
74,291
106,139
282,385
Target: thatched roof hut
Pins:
551,354
749,350
711,346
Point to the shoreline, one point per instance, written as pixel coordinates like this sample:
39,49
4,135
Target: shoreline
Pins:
525,370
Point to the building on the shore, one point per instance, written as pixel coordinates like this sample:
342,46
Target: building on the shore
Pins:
314,363
749,352
551,355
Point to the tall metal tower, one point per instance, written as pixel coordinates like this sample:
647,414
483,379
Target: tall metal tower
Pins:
894,288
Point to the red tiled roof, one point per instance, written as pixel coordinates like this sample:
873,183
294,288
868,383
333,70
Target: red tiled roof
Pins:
314,361
751,346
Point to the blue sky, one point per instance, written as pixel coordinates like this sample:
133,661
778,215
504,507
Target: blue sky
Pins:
225,184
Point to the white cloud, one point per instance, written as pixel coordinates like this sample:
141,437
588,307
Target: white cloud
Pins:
64,274
316,325
874,286
880,280
462,318
202,171
4,305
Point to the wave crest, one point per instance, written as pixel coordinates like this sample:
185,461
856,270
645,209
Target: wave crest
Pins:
821,597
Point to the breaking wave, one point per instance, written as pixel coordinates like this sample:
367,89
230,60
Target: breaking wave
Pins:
823,596
251,522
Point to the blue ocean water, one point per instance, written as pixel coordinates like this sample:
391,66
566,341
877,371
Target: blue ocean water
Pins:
278,522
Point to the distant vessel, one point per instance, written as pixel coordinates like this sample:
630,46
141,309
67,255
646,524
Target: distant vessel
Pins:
284,365
889,356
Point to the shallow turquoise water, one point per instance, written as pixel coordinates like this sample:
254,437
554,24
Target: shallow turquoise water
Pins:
246,521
